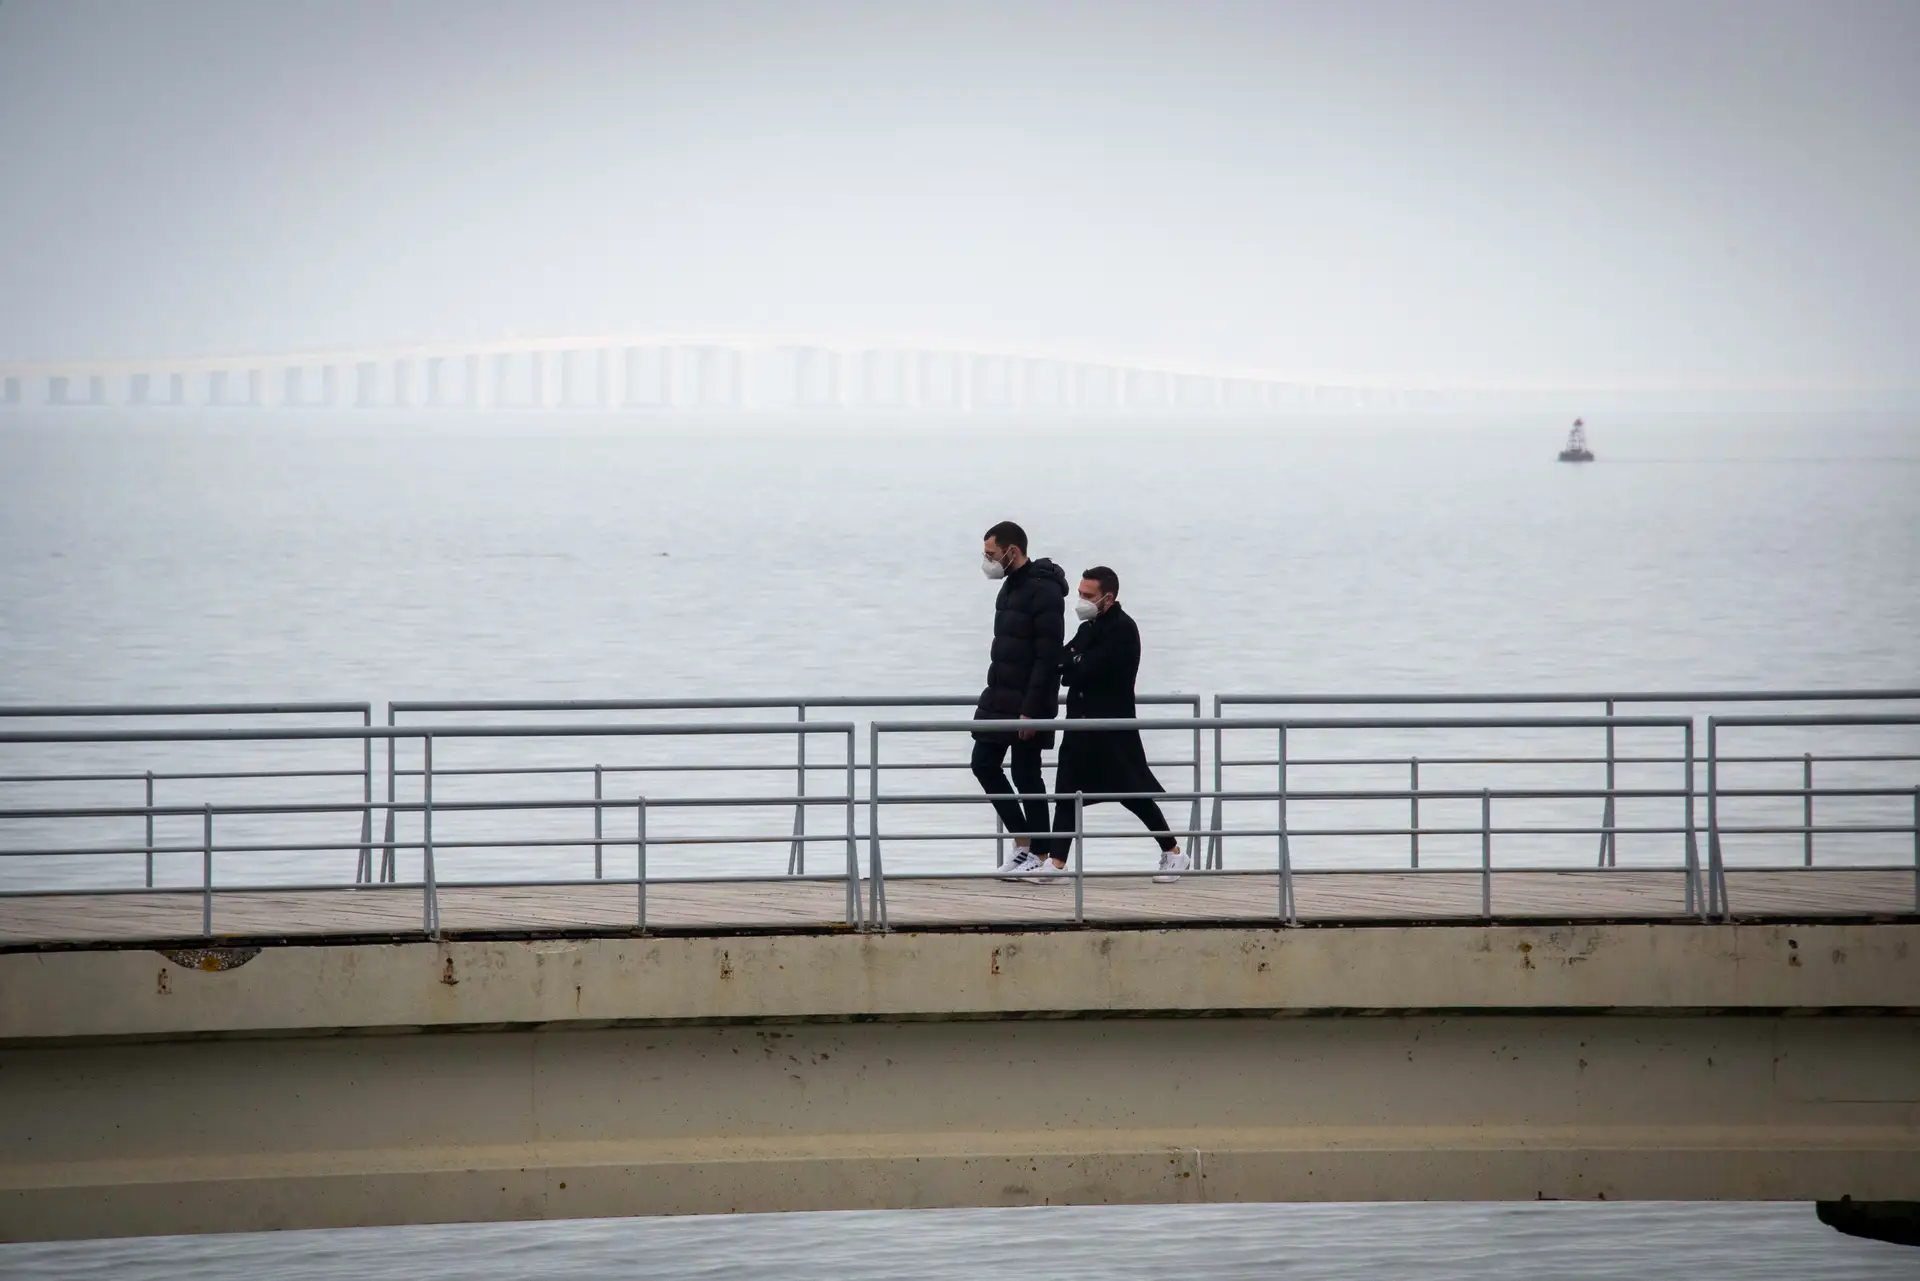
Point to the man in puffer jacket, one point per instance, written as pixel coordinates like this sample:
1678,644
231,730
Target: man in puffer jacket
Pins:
1023,682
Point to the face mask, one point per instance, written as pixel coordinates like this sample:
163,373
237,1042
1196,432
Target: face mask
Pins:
1086,610
992,568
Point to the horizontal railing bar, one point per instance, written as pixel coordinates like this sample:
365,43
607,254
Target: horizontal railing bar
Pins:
1670,696
1595,793
194,891
911,798
785,838
722,704
263,808
321,733
785,767
829,767
181,709
1797,829
158,777
1815,719
1815,792
1098,725
1724,759
1463,870
1135,834
587,842
414,843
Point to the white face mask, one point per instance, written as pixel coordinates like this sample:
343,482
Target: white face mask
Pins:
992,568
1085,610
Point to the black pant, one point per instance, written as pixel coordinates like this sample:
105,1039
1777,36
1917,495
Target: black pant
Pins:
1020,818
1145,808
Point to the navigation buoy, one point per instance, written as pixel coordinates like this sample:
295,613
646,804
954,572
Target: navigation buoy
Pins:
1576,450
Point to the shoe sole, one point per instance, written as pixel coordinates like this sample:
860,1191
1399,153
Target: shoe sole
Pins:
1165,880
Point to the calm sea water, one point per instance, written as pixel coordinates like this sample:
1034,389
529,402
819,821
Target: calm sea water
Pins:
1621,1242
250,558
243,557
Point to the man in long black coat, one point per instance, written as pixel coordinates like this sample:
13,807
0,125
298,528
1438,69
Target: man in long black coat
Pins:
1098,668
1023,683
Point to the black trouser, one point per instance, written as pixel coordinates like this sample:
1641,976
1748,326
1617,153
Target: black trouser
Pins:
1020,818
1144,808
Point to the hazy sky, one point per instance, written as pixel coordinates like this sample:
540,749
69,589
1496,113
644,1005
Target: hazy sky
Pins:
1535,192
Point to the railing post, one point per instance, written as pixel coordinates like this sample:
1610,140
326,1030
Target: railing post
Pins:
429,890
640,850
1199,784
1717,904
877,898
797,853
206,875
1916,849
1413,769
1287,910
363,870
1806,811
149,829
597,833
1609,852
853,843
999,839
389,857
1486,854
1696,900
1079,857
1216,851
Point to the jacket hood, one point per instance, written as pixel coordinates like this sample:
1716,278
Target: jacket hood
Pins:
1048,570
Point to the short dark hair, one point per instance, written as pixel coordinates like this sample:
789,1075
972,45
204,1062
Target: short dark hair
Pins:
1008,534
1108,580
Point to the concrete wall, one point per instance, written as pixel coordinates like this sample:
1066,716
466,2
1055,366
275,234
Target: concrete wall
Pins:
273,1133
644,1076
134,992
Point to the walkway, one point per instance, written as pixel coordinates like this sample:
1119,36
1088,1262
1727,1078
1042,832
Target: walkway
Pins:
953,903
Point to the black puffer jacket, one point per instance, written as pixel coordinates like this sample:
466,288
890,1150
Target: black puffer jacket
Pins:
1029,621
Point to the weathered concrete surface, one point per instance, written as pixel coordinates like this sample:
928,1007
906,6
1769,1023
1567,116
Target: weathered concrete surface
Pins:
139,993
493,1080
241,1134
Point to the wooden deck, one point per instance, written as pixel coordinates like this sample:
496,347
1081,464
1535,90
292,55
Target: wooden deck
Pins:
1322,897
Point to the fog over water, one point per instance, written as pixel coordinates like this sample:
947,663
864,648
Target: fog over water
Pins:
1718,193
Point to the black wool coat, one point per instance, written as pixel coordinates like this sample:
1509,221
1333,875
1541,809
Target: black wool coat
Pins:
1023,678
1098,668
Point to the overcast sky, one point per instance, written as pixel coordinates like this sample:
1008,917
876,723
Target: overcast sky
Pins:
1592,194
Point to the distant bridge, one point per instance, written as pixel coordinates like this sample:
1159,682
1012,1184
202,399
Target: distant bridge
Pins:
677,372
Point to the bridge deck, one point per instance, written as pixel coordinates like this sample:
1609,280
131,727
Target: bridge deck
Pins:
1322,897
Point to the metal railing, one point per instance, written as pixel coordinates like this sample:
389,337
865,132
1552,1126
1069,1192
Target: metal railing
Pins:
1805,793
1285,832
430,884
1609,703
189,711
800,705
469,801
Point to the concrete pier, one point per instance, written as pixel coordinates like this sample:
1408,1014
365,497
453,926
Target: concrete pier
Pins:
331,1085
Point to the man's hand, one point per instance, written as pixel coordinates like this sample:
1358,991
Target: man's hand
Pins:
1026,733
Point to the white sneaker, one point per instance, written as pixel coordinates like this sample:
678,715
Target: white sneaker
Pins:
1172,863
1045,873
1018,864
